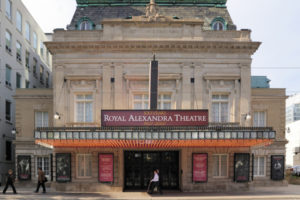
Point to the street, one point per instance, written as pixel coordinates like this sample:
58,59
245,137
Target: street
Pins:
289,192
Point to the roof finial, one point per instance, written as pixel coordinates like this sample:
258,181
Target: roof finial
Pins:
152,9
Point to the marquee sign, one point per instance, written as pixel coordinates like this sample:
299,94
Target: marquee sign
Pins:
154,117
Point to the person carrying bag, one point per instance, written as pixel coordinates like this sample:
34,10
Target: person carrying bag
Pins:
41,181
10,181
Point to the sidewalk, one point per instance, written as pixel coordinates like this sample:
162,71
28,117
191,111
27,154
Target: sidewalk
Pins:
290,192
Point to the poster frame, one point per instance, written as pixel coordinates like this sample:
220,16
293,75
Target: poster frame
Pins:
283,158
234,170
113,166
70,167
18,159
206,168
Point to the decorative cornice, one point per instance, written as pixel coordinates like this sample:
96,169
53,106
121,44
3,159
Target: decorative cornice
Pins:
222,76
146,77
83,77
153,46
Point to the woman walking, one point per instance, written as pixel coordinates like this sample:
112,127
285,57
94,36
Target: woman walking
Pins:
10,182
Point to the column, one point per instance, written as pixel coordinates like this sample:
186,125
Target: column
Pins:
198,102
186,87
118,87
245,99
106,90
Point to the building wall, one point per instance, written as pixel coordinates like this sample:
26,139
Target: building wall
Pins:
29,101
9,58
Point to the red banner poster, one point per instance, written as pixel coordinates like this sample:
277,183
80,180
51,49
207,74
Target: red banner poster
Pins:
106,168
199,167
154,118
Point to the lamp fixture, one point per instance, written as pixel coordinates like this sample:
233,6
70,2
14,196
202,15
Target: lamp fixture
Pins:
14,131
247,116
56,115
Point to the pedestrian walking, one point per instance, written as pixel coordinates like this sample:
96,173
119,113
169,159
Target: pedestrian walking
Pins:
155,183
41,180
10,182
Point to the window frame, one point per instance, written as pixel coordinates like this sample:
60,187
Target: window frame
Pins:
43,120
259,118
84,101
10,111
220,165
77,166
8,152
43,165
19,21
8,77
265,167
8,41
142,101
18,80
220,20
27,31
161,101
8,13
220,101
18,51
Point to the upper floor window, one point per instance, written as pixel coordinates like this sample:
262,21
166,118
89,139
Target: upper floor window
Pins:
34,36
41,119
8,76
19,51
85,24
19,21
218,24
42,49
164,101
259,119
141,101
8,111
41,74
34,66
220,108
27,59
84,108
47,79
8,9
297,112
27,31
8,152
8,41
18,80
27,84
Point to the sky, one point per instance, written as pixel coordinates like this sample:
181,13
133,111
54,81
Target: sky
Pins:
273,22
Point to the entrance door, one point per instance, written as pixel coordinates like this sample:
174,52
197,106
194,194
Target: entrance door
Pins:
139,167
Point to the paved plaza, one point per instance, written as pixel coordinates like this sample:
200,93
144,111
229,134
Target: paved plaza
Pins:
289,192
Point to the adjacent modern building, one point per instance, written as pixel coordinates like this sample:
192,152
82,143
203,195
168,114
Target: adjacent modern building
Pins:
25,62
139,86
293,130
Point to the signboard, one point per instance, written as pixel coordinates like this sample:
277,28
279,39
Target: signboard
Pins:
106,168
154,117
200,167
63,167
241,167
277,167
24,167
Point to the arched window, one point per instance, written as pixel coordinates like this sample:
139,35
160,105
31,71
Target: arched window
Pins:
85,24
218,24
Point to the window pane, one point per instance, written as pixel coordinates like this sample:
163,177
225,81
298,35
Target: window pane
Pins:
19,21
224,112
34,41
8,39
138,97
8,111
137,105
8,9
215,112
27,31
261,166
80,112
88,165
45,119
88,112
215,165
255,166
224,165
80,165
8,75
46,165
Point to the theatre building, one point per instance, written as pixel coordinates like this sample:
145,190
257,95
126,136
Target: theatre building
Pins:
141,85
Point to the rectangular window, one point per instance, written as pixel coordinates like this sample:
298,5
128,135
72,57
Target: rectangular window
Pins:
48,57
296,112
84,108
164,102
43,163
141,101
8,152
34,66
19,51
84,165
259,119
41,48
8,41
27,84
220,110
41,119
47,79
27,59
19,21
8,9
18,80
41,74
220,165
8,76
34,41
8,111
259,166
27,31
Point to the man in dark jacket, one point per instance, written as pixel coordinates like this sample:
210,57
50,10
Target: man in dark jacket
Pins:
41,181
10,181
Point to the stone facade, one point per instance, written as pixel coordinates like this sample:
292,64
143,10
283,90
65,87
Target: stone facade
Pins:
111,66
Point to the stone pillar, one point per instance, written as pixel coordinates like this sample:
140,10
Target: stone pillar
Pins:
186,87
245,99
198,102
118,87
106,90
59,94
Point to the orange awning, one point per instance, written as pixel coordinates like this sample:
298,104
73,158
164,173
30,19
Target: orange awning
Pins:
52,143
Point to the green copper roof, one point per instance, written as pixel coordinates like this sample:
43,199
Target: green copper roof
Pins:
208,3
